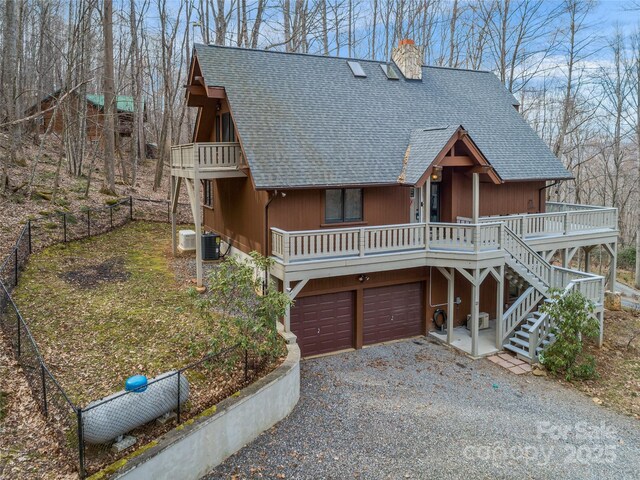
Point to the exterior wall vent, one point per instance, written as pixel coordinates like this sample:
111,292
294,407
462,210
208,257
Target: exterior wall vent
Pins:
356,69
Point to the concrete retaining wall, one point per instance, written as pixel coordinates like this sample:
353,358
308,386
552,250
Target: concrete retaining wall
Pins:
191,450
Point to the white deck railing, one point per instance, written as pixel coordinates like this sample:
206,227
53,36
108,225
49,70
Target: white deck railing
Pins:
591,286
560,219
206,156
360,242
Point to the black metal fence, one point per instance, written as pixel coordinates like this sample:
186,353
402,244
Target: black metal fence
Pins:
85,432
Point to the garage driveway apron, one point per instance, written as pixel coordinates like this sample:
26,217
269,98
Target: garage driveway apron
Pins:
415,409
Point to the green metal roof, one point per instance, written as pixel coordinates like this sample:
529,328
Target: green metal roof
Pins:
124,103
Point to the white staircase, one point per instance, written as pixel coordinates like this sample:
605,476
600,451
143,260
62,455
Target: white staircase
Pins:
525,330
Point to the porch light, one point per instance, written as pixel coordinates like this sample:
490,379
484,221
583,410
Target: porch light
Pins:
436,174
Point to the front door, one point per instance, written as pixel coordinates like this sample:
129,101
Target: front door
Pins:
434,209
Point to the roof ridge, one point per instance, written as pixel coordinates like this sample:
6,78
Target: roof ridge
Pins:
334,57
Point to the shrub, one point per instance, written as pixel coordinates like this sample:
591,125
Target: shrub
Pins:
627,258
573,323
239,312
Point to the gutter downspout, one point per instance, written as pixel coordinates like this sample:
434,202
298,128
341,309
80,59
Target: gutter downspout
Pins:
544,188
265,247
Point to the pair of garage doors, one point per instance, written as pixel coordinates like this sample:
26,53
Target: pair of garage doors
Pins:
326,323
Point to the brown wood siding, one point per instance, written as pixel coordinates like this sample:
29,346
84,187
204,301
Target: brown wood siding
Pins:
304,209
504,199
393,312
324,323
237,213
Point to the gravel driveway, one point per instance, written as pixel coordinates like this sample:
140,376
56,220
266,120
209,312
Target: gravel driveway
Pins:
416,409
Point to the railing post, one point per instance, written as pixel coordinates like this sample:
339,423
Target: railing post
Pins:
80,443
523,226
533,344
178,406
285,247
566,223
19,339
361,241
476,237
246,364
44,390
64,226
427,235
29,231
15,266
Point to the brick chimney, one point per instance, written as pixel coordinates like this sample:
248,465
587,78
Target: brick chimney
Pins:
408,58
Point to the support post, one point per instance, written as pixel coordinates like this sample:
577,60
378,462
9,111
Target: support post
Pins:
286,285
499,307
476,198
427,213
612,249
198,221
450,304
565,258
80,443
587,259
475,312
174,246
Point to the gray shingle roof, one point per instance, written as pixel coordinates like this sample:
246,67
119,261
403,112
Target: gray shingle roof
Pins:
305,120
424,146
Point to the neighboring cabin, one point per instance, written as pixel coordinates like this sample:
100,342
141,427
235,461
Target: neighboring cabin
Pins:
371,184
94,115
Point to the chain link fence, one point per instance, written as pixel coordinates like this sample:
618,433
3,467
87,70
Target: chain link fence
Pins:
88,434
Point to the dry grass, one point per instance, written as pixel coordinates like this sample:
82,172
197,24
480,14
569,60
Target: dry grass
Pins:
618,364
108,307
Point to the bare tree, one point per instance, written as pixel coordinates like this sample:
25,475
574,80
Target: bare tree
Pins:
108,185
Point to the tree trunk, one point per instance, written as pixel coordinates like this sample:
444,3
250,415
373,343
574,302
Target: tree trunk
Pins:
108,185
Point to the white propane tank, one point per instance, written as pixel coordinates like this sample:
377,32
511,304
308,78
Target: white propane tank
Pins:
106,419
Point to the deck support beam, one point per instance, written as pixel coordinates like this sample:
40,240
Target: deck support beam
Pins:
476,198
193,189
449,275
612,249
475,311
499,276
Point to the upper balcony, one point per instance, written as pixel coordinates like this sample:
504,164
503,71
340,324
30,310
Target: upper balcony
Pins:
461,244
205,160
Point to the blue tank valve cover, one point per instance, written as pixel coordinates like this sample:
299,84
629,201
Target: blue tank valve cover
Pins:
136,383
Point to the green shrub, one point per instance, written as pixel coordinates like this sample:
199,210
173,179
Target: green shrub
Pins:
239,312
627,257
574,322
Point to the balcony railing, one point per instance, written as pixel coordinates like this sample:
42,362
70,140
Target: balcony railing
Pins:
462,237
206,157
384,239
560,219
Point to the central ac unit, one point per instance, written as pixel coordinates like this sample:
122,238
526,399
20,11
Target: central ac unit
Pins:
186,240
483,321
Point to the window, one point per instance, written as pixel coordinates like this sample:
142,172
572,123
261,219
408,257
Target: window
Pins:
228,132
343,205
208,193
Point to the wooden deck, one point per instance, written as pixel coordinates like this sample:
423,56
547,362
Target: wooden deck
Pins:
460,244
206,160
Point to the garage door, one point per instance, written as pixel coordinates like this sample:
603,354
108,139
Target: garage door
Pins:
323,323
394,312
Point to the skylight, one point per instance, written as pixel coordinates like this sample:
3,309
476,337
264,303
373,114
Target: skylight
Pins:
356,69
389,71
